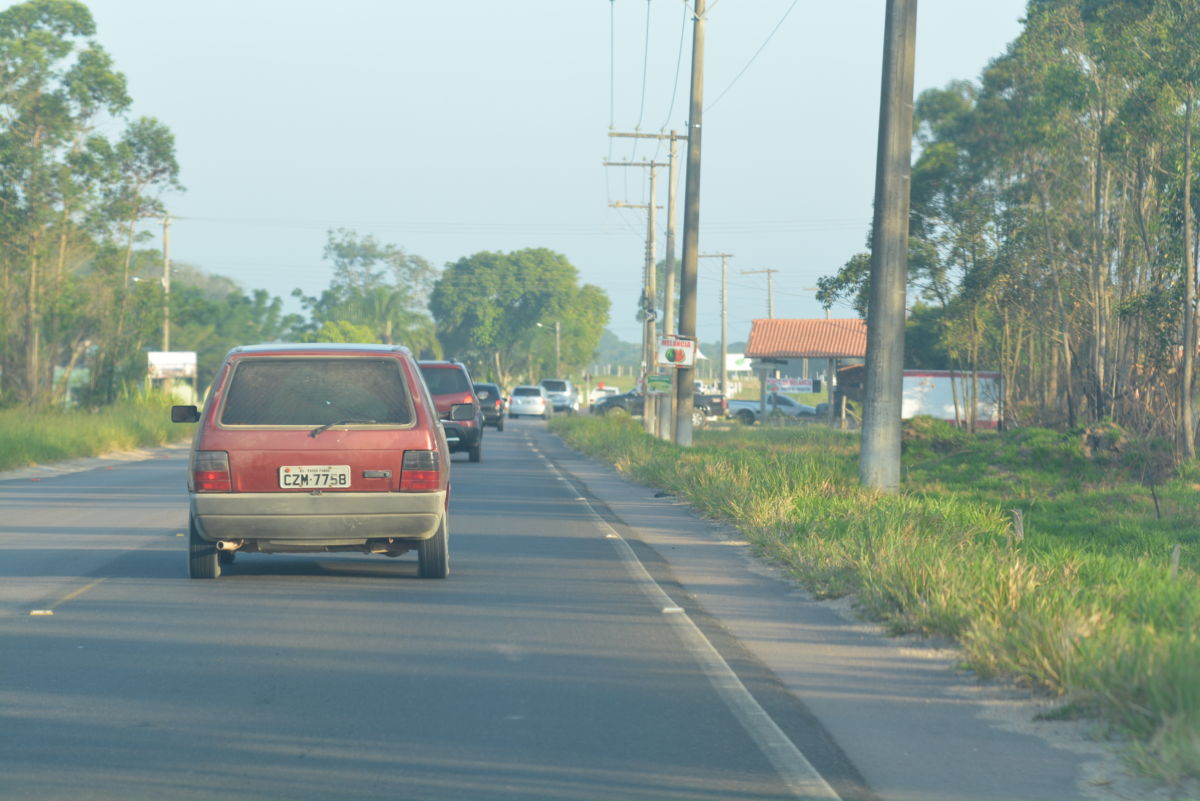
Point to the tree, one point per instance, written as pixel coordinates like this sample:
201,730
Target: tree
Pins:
56,80
377,286
487,307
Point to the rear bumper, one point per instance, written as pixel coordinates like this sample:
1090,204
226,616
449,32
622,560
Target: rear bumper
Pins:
328,518
462,438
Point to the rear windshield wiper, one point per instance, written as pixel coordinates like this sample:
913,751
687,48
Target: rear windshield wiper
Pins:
328,426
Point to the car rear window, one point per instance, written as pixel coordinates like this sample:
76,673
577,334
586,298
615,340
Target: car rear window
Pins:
316,392
445,380
523,391
484,392
555,386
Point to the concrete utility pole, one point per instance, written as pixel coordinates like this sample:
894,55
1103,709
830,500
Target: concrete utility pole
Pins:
879,465
691,231
664,413
770,289
724,257
166,284
648,296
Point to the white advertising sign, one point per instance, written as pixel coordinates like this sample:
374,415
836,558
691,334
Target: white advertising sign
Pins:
171,364
737,363
676,352
790,384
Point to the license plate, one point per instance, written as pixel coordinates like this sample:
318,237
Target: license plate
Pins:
314,476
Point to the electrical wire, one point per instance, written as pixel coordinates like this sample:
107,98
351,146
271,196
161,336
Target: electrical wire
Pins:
612,69
645,72
753,57
675,85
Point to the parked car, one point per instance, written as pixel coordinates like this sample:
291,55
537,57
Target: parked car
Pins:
491,401
450,385
747,412
563,394
705,407
318,447
600,392
531,401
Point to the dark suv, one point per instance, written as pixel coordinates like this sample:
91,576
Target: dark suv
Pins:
314,448
491,400
450,385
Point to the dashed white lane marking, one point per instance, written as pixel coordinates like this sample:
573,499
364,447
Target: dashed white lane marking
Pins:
789,762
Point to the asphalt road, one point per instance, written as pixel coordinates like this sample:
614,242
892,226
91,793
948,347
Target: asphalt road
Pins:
545,667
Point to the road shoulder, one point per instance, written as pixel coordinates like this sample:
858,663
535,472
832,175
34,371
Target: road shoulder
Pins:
915,725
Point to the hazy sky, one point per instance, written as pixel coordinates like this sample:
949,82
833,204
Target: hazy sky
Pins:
448,127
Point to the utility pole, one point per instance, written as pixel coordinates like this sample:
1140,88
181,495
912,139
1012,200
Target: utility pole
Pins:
770,289
665,415
166,284
691,231
649,291
724,257
650,414
673,167
879,464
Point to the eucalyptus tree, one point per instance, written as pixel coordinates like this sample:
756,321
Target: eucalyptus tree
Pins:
378,287
54,83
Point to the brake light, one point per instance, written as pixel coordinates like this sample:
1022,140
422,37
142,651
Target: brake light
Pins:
421,470
498,404
210,471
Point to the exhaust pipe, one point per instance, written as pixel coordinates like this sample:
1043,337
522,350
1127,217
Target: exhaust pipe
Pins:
229,545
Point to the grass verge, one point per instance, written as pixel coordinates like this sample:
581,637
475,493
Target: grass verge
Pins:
30,437
1086,604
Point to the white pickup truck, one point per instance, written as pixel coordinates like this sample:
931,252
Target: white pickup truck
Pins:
747,411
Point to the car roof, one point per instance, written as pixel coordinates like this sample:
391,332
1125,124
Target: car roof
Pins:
297,348
529,386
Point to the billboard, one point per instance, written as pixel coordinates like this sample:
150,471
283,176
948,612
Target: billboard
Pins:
171,364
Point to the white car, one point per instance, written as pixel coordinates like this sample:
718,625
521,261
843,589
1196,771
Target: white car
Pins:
531,401
562,393
601,392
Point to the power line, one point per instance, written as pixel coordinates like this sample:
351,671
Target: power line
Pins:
645,71
756,52
675,84
612,69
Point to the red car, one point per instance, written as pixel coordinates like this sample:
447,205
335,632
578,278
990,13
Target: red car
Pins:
450,385
318,448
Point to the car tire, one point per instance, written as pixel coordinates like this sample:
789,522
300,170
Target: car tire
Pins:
203,562
475,452
745,417
512,416
433,554
500,425
698,419
615,411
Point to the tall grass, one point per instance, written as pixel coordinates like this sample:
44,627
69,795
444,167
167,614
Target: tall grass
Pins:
30,437
1084,606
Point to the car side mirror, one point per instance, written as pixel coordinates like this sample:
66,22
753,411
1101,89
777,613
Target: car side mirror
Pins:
185,414
462,411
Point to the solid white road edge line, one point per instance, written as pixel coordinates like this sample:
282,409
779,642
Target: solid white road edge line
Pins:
789,762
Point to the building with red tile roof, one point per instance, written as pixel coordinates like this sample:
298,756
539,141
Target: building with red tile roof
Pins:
807,339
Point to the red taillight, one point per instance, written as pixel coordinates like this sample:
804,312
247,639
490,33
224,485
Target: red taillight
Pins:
210,471
498,404
421,470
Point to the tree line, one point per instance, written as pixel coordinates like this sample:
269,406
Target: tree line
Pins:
1053,231
82,293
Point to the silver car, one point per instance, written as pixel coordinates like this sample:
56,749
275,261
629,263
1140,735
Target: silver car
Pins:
531,401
